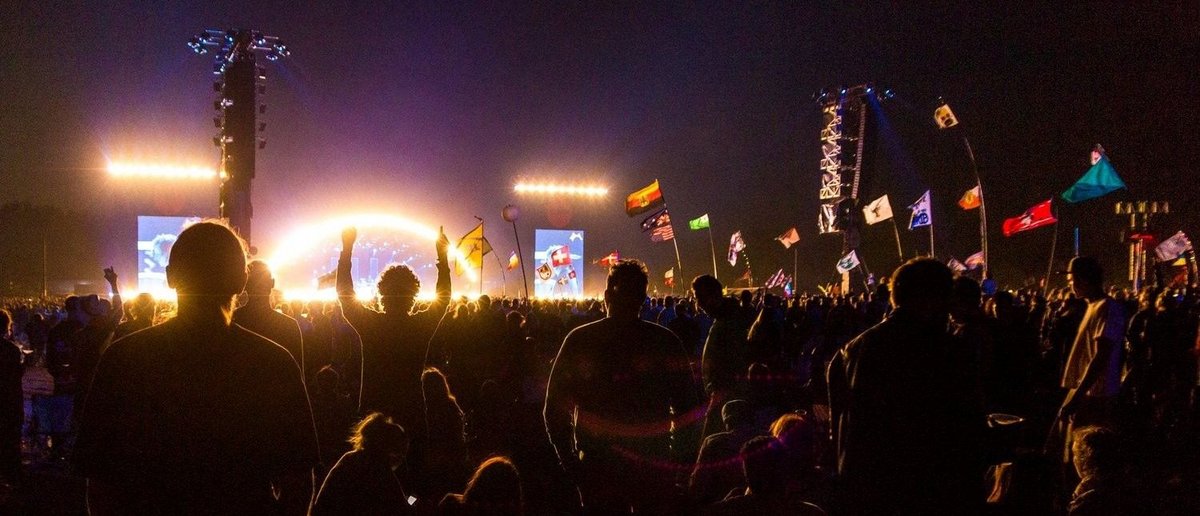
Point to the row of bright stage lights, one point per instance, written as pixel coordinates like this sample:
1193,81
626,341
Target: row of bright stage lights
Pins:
560,189
159,171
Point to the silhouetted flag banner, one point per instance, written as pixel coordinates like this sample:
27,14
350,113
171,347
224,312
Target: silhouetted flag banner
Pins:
736,244
1100,180
971,199
1037,216
644,200
788,238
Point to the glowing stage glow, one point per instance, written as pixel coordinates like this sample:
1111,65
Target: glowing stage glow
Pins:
159,171
304,238
561,189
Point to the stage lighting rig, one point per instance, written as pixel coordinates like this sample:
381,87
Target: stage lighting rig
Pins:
234,60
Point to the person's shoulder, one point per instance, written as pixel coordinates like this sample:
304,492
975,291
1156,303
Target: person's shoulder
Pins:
149,337
255,343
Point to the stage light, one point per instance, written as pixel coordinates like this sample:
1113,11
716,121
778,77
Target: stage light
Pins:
159,171
561,189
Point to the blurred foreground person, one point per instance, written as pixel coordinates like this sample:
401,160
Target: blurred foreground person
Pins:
364,480
494,490
620,390
908,419
197,415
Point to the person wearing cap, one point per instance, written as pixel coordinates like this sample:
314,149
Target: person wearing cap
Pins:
1092,375
717,470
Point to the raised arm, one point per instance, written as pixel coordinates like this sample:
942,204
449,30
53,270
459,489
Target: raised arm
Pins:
443,270
118,309
352,309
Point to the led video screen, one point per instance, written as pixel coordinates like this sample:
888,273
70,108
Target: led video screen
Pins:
558,262
156,235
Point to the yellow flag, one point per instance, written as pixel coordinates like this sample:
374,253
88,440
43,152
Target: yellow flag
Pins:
473,247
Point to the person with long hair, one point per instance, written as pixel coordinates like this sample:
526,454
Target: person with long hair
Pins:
494,489
440,460
364,480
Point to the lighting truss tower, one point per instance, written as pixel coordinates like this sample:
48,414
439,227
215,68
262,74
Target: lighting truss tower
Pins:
1141,232
239,84
843,134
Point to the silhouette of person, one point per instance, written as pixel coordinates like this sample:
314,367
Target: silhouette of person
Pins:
12,413
907,415
258,316
364,480
198,415
394,340
724,357
617,388
494,490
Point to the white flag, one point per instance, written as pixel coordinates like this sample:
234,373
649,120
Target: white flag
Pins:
956,265
848,262
736,245
878,211
975,261
921,216
1171,248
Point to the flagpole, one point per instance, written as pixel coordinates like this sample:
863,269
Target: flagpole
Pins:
899,248
1050,267
982,206
674,241
931,253
503,275
713,248
795,266
482,239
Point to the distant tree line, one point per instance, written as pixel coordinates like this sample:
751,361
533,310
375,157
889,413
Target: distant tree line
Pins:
68,238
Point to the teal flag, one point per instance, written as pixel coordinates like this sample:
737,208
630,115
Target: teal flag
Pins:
1098,181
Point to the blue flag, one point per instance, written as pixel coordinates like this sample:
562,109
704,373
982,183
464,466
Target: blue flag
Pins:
1100,180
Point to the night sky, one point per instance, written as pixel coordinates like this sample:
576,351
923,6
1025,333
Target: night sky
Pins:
432,111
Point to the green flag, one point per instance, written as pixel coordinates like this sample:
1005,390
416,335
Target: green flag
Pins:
1098,181
698,223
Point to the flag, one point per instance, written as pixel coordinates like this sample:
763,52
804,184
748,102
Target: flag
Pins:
944,117
610,260
1037,216
776,280
560,256
956,265
788,238
472,247
699,223
971,200
643,200
789,286
848,262
975,261
658,219
513,260
659,226
327,280
570,273
1173,247
669,277
878,211
545,272
1100,180
920,212
736,244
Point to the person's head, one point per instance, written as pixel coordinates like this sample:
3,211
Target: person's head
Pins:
327,379
496,484
708,292
513,322
1095,451
626,289
1086,277
764,465
435,385
378,436
5,322
737,414
259,280
797,434
397,288
967,298
143,307
923,286
208,264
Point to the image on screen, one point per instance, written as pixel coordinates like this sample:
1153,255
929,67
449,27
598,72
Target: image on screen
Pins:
156,235
558,263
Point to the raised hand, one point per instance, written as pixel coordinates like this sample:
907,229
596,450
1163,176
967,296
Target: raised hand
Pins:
443,243
349,235
110,276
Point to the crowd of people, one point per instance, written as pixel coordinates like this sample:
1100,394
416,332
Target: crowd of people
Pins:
931,394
